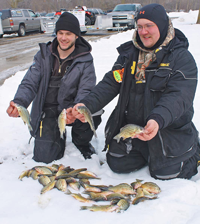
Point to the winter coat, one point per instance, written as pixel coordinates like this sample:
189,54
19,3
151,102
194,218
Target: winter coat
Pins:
76,83
169,92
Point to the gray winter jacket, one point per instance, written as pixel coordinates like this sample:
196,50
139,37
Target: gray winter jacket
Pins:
76,83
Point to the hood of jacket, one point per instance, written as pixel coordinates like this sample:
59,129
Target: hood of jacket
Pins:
82,47
178,41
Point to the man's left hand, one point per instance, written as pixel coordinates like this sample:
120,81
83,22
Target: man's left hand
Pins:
150,131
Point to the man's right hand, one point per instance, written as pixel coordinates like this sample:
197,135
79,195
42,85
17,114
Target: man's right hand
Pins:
12,110
70,118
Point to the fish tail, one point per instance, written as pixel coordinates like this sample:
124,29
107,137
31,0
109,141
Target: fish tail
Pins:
95,134
30,127
83,207
68,192
117,138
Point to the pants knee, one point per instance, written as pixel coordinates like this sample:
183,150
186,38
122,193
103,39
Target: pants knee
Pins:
123,164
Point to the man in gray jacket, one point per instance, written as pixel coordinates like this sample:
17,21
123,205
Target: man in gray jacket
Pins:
61,75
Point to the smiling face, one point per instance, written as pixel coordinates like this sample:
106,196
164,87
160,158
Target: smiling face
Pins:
148,32
66,40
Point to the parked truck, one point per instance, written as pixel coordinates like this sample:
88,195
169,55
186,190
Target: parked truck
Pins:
19,21
123,15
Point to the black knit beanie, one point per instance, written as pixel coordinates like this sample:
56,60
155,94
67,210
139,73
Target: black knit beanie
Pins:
157,14
68,21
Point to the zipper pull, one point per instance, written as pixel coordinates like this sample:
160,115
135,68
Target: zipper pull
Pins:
59,70
41,128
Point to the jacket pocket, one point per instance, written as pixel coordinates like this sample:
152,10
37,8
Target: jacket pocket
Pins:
159,80
177,141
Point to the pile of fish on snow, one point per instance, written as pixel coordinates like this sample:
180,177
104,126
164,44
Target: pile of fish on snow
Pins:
120,196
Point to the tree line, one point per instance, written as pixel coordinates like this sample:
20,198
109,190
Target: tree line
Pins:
56,5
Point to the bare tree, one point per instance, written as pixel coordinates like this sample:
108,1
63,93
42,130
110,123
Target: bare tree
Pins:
55,5
14,3
198,19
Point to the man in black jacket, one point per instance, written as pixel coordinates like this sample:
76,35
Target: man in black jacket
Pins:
156,77
61,75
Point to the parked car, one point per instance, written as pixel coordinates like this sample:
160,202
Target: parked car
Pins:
50,15
95,12
19,21
124,15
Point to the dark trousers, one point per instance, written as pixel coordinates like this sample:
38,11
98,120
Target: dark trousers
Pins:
49,146
122,162
82,133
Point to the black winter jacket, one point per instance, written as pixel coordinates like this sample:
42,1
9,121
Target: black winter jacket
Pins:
76,83
170,87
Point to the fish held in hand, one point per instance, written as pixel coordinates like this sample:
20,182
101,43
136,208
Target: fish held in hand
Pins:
128,131
88,117
62,122
24,114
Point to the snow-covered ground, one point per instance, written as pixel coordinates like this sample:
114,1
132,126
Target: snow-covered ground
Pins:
21,201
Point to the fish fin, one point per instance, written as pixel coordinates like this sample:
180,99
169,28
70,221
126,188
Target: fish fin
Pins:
68,192
30,128
83,207
95,134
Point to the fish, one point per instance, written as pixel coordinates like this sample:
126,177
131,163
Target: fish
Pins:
24,114
44,180
128,131
43,170
48,187
70,180
97,196
141,199
115,196
73,173
61,185
60,172
100,208
25,173
75,185
151,187
62,122
136,184
88,117
79,197
35,175
123,205
87,175
122,188
90,188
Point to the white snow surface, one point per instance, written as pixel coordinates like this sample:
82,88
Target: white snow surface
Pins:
21,201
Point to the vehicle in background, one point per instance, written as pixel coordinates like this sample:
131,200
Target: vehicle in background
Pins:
19,21
95,12
89,16
1,29
124,15
50,15
41,14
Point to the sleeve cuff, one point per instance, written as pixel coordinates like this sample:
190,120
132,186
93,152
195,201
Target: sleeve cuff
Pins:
158,119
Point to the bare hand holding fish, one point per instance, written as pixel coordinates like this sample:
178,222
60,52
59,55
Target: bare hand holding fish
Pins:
150,131
16,110
12,110
77,114
81,109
